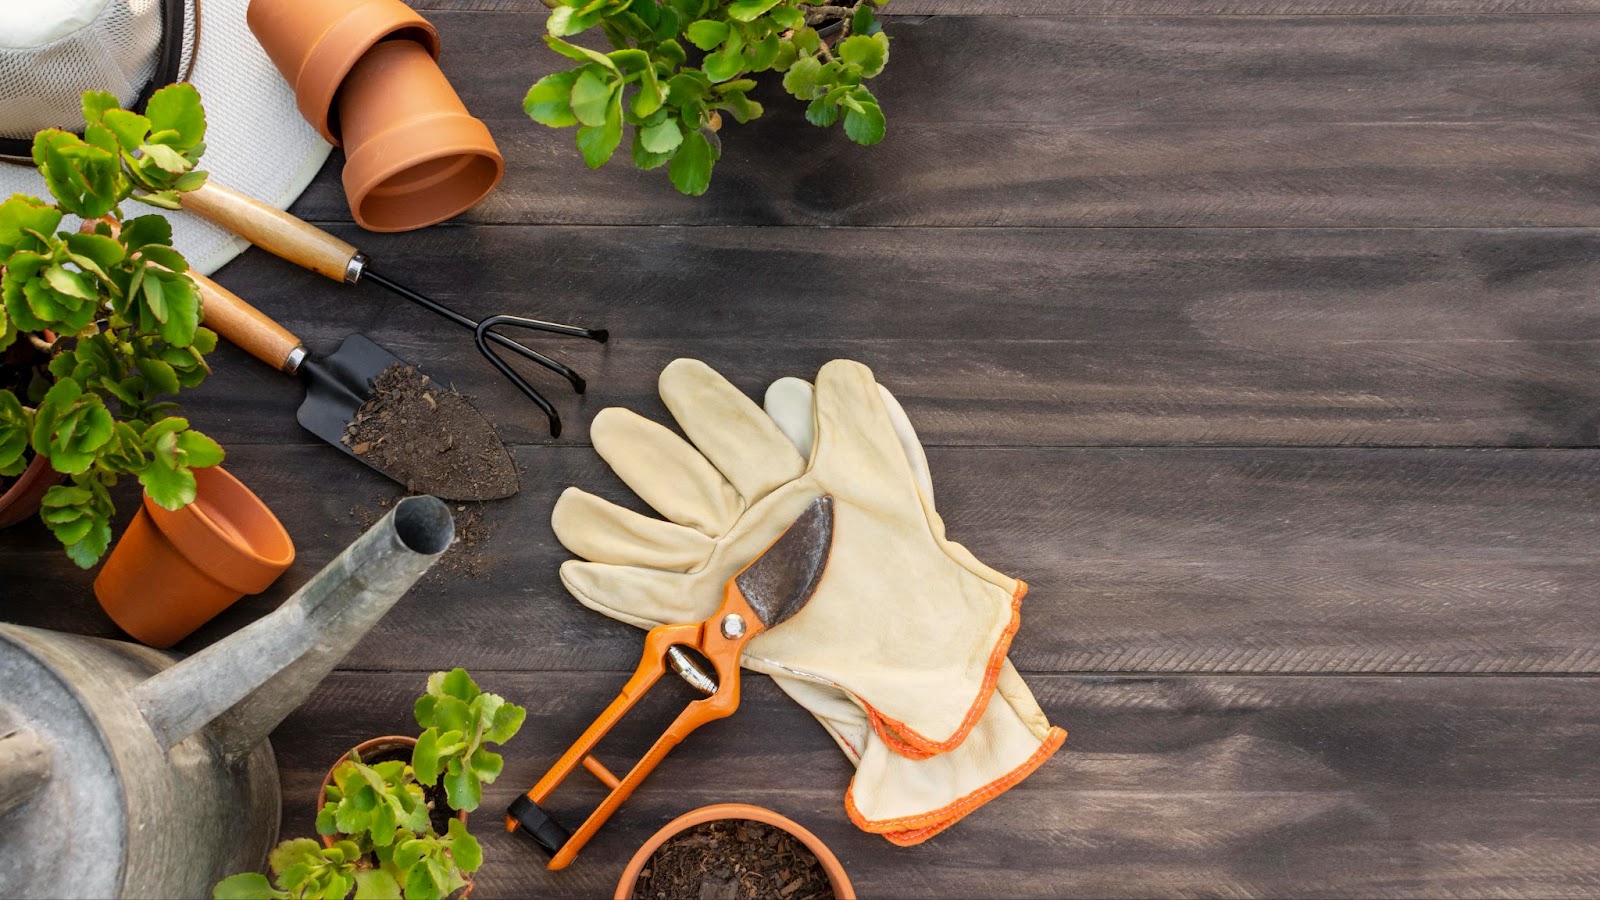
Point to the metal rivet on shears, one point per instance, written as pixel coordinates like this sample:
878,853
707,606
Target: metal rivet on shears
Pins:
733,626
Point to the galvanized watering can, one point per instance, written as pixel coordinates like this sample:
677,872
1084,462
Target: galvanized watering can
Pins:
126,773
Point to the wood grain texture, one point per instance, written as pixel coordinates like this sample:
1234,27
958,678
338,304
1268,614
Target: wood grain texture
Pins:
901,9
1139,560
1167,787
1150,122
998,336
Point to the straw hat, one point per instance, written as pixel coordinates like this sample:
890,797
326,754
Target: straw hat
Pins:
256,141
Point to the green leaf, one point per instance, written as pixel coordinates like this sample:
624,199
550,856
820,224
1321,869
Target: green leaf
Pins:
95,103
425,757
130,128
862,21
663,137
801,79
749,10
760,55
160,376
685,88
643,158
581,54
69,283
723,65
176,107
598,142
486,765
807,40
870,53
246,886
591,94
823,112
458,684
787,16
168,159
549,101
21,214
866,126
199,451
143,230
691,166
376,884
173,487
650,96
706,33
464,848
298,851
508,720
461,785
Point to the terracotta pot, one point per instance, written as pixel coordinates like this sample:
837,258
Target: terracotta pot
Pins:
365,750
21,501
413,154
173,570
315,44
830,863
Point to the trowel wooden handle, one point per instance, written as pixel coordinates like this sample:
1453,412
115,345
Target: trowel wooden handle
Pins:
274,230
247,327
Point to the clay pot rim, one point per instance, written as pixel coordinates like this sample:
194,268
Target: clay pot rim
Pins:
38,470
230,560
837,878
364,748
324,64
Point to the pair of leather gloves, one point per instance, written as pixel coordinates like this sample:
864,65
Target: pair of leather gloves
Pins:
901,651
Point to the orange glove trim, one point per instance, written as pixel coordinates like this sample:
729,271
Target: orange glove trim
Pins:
911,830
908,743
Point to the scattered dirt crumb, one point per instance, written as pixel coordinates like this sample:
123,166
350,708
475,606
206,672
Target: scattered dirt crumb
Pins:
466,556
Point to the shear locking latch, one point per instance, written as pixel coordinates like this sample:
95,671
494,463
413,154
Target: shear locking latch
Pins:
545,831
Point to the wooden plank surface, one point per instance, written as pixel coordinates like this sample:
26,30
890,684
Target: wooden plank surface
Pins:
1145,560
1085,337
1145,122
1256,335
1274,787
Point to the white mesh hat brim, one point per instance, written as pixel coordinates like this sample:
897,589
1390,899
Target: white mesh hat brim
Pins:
256,141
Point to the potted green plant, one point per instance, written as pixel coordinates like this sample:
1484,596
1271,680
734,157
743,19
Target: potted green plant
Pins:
679,64
98,326
393,811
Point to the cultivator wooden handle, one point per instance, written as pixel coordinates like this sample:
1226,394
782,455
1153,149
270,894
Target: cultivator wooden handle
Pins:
247,327
276,231
722,644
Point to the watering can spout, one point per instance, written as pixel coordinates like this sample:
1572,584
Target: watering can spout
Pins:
243,686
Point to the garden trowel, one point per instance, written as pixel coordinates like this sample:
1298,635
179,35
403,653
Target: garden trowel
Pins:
769,591
338,386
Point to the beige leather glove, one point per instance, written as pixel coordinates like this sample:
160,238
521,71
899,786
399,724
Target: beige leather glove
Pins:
911,800
642,564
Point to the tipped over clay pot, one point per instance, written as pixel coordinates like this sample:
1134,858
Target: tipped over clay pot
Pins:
837,879
413,154
173,570
315,44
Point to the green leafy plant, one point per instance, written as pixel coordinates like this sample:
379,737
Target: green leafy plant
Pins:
386,845
460,720
111,309
677,65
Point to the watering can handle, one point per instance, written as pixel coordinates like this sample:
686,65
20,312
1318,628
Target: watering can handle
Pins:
275,231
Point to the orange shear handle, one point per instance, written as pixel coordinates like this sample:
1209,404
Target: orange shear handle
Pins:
720,645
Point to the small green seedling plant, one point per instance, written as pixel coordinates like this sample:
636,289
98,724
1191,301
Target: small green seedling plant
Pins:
385,844
677,65
110,308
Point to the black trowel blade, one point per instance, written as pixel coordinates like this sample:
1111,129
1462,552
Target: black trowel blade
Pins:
338,385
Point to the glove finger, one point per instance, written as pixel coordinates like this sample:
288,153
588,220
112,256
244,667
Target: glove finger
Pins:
854,431
665,471
603,532
791,402
641,597
728,427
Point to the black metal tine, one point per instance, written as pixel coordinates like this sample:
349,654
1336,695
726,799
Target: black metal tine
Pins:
599,335
480,334
483,328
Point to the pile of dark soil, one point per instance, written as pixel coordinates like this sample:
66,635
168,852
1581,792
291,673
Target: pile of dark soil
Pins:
733,859
431,439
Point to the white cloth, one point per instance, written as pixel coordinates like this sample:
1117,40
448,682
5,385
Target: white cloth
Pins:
256,141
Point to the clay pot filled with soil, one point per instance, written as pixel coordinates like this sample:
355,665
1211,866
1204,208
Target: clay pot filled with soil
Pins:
20,494
395,747
731,851
173,570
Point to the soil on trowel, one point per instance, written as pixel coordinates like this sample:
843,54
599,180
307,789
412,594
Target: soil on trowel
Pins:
733,859
430,439
465,555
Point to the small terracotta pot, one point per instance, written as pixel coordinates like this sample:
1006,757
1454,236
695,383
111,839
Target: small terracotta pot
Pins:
367,749
21,501
315,44
413,154
173,570
830,863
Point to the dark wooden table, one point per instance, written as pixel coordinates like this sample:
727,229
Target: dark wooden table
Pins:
1259,336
